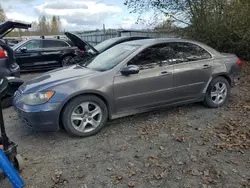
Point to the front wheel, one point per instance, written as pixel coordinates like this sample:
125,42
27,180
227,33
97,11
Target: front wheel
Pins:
217,93
84,116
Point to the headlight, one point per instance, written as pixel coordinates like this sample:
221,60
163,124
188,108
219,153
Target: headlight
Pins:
37,98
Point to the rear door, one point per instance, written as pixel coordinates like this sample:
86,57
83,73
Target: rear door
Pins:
151,86
192,69
52,52
31,57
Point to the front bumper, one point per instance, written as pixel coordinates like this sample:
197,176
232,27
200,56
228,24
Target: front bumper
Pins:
43,117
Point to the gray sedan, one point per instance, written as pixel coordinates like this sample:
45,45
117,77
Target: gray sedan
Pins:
130,78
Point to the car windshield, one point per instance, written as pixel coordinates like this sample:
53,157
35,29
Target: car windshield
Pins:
101,47
110,58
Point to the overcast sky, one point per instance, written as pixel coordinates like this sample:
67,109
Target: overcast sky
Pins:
75,14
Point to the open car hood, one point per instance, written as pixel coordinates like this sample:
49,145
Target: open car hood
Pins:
81,44
8,26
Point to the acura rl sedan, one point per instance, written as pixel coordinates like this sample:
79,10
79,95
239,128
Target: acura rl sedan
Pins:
129,78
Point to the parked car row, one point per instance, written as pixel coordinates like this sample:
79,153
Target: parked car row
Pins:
48,54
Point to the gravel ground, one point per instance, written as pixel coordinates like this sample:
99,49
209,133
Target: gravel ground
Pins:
186,146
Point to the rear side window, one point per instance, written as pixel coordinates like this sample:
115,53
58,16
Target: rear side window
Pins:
185,52
54,44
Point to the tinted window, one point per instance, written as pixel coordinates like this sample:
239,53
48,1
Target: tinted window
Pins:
158,55
168,54
184,52
54,43
33,44
110,58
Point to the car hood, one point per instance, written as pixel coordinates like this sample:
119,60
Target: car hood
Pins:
56,77
81,44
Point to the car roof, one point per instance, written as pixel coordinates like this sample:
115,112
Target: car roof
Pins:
54,39
149,42
156,41
124,38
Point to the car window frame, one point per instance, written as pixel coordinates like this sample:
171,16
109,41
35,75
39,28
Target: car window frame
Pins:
139,50
150,46
68,45
19,48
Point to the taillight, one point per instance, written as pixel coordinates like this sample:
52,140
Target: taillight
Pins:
82,52
3,54
240,63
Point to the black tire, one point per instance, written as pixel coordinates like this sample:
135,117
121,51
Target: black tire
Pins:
66,61
6,102
68,109
208,100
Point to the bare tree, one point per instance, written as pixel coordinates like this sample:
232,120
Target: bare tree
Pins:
223,24
43,26
2,14
55,25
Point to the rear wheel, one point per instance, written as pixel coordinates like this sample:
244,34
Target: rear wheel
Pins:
217,93
66,61
84,116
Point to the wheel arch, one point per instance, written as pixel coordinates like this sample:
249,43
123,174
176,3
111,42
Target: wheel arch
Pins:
97,94
223,75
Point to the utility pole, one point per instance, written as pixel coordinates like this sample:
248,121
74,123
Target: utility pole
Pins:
104,31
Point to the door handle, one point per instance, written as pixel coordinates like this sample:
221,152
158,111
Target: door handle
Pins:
163,73
206,66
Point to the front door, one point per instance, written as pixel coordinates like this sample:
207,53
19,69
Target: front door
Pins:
150,87
29,55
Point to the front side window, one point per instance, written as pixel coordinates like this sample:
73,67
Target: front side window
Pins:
33,44
154,56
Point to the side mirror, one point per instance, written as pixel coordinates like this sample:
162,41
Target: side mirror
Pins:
131,69
23,49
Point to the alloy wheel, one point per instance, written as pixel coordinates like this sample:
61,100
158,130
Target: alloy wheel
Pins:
86,117
219,93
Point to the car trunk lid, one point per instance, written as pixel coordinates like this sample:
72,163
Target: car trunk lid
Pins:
8,26
6,50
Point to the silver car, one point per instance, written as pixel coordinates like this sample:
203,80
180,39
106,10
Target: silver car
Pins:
130,78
